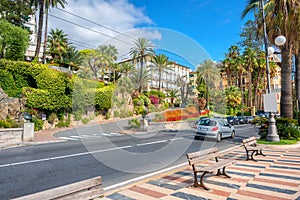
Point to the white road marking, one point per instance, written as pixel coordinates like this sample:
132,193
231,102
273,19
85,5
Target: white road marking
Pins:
67,138
143,177
78,137
177,139
156,142
75,136
60,157
118,185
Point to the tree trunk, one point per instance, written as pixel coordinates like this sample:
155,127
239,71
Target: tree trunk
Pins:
297,77
159,80
256,97
250,89
45,38
141,75
40,29
286,101
228,77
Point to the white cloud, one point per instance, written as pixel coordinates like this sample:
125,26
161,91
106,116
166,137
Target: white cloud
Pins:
118,15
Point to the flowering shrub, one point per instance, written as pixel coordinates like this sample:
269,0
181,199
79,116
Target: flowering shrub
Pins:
180,114
154,100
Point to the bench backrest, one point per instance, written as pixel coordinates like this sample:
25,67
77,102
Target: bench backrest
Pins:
87,189
249,142
200,156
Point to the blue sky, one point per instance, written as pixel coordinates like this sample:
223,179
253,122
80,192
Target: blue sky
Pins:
213,25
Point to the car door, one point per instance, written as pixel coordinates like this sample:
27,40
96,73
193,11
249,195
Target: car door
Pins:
226,130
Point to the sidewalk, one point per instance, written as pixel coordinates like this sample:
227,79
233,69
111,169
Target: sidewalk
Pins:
276,177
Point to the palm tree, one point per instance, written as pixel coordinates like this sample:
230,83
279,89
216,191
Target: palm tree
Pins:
233,97
285,15
115,74
162,65
297,77
230,63
143,48
259,72
172,94
57,44
250,61
72,58
106,55
181,82
126,68
146,78
227,69
41,6
211,75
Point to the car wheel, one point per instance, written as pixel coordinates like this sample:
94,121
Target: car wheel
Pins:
232,134
219,136
196,137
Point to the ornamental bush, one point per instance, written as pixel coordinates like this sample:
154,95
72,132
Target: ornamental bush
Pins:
53,91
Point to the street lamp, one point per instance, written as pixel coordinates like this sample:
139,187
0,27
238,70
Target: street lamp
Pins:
280,40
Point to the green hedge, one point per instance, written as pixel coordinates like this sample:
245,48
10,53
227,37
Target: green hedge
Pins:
51,90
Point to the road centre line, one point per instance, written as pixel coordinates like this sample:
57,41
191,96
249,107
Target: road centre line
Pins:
60,157
82,154
156,142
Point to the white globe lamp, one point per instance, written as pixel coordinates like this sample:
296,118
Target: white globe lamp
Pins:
270,51
280,40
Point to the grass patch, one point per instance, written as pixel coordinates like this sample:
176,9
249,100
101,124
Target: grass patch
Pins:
281,142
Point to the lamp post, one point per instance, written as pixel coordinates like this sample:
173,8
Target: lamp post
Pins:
280,40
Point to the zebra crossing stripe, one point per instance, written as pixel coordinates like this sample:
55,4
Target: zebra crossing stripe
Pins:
67,138
76,137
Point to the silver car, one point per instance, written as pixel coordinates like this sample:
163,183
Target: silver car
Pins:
214,128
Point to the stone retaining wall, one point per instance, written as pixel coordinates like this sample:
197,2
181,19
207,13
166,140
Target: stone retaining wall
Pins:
10,137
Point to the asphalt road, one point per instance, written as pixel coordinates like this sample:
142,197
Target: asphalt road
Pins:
99,151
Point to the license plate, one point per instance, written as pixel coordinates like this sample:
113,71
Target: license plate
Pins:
203,129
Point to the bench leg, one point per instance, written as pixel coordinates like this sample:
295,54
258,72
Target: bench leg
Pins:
201,181
196,184
219,173
247,153
261,153
201,184
224,172
252,158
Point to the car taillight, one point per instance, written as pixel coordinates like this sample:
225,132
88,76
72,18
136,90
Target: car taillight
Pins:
214,128
195,127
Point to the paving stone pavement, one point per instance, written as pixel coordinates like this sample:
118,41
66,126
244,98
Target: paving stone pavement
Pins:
275,176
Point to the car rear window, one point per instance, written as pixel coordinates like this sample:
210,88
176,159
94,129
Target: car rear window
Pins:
207,122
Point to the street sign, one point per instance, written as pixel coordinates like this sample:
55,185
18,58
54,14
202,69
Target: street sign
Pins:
270,102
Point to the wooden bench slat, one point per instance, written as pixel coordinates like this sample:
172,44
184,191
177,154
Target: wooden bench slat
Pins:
251,143
249,140
212,167
64,190
251,148
196,160
201,153
83,195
